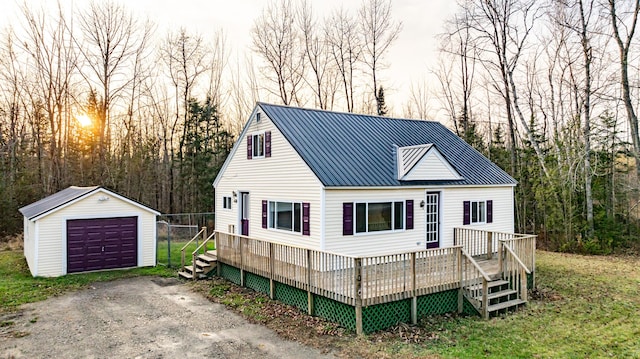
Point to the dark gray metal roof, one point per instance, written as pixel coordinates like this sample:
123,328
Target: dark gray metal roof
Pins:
346,149
55,200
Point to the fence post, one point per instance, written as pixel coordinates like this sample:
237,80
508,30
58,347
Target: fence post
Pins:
358,294
204,238
414,298
489,245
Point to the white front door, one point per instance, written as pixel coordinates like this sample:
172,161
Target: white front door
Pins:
432,219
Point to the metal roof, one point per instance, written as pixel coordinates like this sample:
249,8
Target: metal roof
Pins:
55,200
67,195
353,150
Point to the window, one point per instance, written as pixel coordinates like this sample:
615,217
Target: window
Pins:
379,216
286,216
478,212
226,202
258,145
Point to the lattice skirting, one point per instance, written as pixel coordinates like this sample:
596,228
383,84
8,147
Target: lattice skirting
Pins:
374,317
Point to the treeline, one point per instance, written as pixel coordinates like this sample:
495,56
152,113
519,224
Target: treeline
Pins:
546,89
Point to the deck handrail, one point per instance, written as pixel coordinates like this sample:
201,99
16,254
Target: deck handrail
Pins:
517,277
194,254
517,259
470,286
475,264
187,244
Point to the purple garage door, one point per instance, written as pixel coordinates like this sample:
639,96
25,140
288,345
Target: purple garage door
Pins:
102,243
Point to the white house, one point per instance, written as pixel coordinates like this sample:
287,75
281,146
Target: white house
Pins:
357,185
87,228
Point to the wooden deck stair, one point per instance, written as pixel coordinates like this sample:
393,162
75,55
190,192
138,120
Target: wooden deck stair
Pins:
500,296
205,264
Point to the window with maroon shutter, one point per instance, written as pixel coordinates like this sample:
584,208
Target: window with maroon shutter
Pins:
347,219
489,211
264,214
267,144
249,147
466,218
409,214
305,219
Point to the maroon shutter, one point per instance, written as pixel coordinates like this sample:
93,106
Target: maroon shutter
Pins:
467,213
489,211
409,214
347,219
267,144
305,219
249,148
264,214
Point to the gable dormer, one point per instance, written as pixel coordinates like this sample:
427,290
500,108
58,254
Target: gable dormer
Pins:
424,163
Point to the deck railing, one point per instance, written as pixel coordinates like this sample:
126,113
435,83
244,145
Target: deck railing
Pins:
514,271
475,284
370,280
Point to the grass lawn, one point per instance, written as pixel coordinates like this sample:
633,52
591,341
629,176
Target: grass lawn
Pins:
17,286
585,307
175,249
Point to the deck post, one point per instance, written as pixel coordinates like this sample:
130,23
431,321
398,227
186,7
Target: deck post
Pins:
489,245
217,242
272,289
358,293
485,299
414,298
241,263
524,280
461,289
310,308
500,255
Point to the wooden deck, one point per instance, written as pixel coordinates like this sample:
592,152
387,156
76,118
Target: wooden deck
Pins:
479,257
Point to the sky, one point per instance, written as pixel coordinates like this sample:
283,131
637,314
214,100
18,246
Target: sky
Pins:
410,59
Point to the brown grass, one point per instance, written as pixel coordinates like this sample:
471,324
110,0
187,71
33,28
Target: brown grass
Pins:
12,243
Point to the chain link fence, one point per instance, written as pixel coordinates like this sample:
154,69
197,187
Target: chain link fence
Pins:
174,231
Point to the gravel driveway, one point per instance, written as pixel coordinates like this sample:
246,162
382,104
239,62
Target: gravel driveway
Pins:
140,318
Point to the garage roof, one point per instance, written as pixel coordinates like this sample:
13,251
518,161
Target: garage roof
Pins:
66,196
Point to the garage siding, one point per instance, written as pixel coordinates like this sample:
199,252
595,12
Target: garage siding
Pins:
29,242
52,241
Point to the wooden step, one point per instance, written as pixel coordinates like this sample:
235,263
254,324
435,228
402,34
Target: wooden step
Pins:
189,269
185,275
505,305
494,295
208,257
490,285
201,264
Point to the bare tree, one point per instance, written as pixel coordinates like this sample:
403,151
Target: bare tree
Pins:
316,51
113,39
52,61
624,45
275,40
345,45
379,31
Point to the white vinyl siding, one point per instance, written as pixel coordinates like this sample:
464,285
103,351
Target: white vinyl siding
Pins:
451,215
372,243
453,212
432,167
283,177
29,242
52,236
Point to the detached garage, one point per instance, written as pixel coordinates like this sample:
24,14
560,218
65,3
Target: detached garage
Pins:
83,229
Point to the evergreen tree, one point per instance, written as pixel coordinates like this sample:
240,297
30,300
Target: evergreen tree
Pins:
382,107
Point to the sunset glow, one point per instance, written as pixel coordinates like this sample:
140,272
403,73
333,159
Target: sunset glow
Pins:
84,120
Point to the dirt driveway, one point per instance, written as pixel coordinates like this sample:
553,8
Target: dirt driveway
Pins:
139,318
